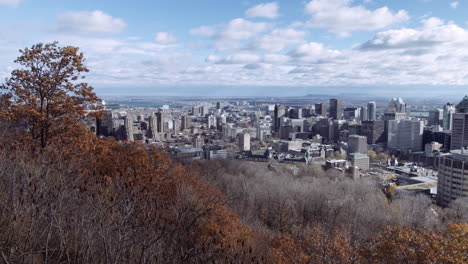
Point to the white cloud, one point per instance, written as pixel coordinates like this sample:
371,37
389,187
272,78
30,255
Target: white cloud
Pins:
278,39
10,3
240,29
432,32
240,58
454,5
93,22
313,51
236,29
266,10
229,36
164,38
339,17
204,31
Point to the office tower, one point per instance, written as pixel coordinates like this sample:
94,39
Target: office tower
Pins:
372,111
352,113
462,107
321,109
198,141
153,126
280,111
459,131
176,125
211,121
218,105
373,130
359,160
161,119
364,113
336,109
436,117
263,132
357,144
244,141
405,134
338,126
452,180
449,110
186,122
196,111
204,110
220,120
128,128
105,124
396,110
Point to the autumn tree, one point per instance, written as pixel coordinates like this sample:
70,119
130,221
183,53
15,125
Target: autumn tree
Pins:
45,95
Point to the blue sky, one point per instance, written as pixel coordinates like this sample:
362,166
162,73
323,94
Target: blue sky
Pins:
209,47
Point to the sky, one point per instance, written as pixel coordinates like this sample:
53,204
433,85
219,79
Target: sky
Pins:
251,48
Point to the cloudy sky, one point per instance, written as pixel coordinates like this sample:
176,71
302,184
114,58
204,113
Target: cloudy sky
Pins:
213,47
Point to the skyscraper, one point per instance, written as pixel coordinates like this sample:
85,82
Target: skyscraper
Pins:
436,117
129,128
405,134
452,180
244,141
396,110
357,144
161,119
336,109
371,109
321,109
462,107
459,131
364,113
153,125
186,122
449,110
280,111
460,125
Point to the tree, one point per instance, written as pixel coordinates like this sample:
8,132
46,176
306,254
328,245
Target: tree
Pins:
45,95
372,155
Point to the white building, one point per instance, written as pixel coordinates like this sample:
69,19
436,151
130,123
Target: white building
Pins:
405,134
244,141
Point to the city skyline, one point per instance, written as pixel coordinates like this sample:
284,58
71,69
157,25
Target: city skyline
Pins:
289,48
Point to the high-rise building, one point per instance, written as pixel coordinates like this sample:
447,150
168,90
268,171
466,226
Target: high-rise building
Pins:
364,113
352,113
462,107
452,180
359,160
449,110
280,111
436,117
105,124
372,110
153,126
396,110
161,120
405,134
459,131
196,111
129,128
244,141
218,105
321,109
211,121
336,109
357,144
374,131
186,122
198,141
